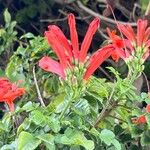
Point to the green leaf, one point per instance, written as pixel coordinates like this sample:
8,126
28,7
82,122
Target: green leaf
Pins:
124,138
136,132
12,146
82,107
74,137
27,35
58,100
54,124
7,121
144,4
38,118
7,16
27,141
148,119
48,140
75,148
116,144
118,130
94,132
136,112
24,126
107,136
115,72
134,147
29,106
145,139
2,127
144,95
2,73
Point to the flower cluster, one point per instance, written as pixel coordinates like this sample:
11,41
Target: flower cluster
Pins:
141,119
9,92
132,45
73,61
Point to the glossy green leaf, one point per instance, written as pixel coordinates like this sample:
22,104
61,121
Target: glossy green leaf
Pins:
38,118
116,144
48,141
27,141
145,139
107,136
12,146
27,35
74,137
148,119
82,107
7,16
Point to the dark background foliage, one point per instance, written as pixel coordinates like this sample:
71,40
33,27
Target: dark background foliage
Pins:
35,15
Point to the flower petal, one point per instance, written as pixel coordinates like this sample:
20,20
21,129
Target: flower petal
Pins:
94,25
146,35
141,27
11,105
61,39
14,94
73,35
142,119
51,65
116,40
115,56
10,96
148,108
97,59
58,48
9,92
127,31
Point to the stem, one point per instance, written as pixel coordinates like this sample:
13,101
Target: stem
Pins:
37,88
147,83
105,112
147,10
117,118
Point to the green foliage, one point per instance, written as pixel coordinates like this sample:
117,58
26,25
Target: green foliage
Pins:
108,137
48,141
74,137
27,141
25,58
31,10
7,33
144,4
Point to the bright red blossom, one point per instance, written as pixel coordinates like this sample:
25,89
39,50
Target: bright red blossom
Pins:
69,52
125,47
9,92
139,120
148,108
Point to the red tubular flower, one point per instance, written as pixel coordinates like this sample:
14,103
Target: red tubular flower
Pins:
127,31
69,52
96,59
148,108
132,42
59,48
142,119
73,35
141,28
139,120
88,38
51,65
118,45
9,92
